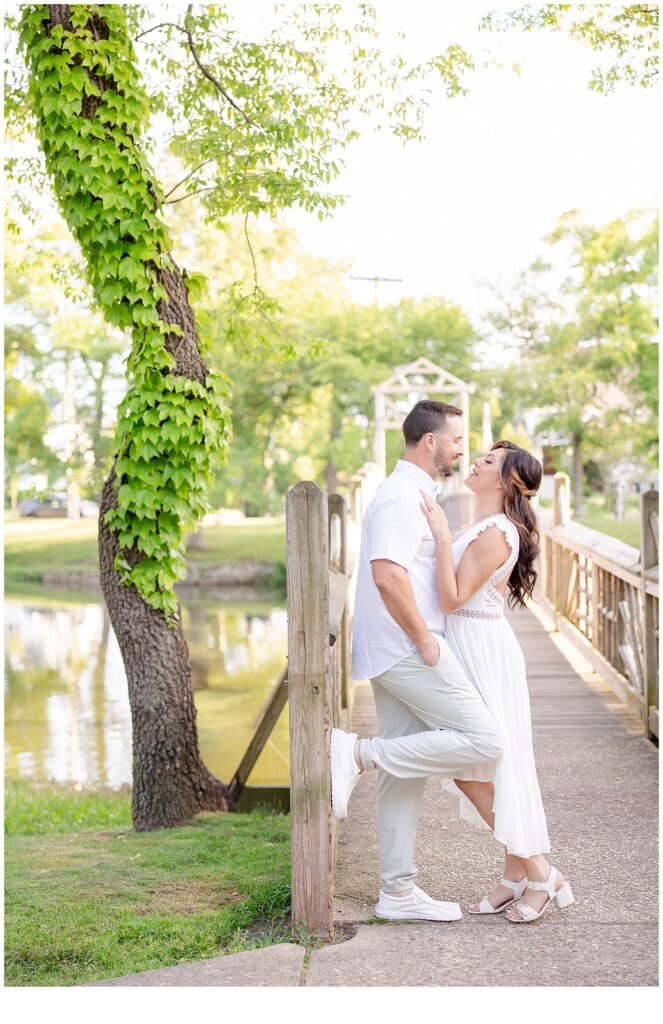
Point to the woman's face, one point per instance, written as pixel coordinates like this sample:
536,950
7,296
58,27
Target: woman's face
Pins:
484,478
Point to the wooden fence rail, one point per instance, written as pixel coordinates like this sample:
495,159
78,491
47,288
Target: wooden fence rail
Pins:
604,595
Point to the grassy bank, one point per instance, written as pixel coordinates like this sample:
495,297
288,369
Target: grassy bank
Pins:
88,898
34,546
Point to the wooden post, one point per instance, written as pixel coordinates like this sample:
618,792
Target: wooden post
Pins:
339,506
560,517
310,705
547,563
595,605
561,514
379,440
355,498
614,620
629,651
649,559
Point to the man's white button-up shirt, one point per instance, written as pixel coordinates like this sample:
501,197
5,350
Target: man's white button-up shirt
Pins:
395,528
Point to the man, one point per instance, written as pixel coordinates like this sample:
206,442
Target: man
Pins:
432,719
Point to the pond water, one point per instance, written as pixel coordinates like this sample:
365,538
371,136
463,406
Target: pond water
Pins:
67,714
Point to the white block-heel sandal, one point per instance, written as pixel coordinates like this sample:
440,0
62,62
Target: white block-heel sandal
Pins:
562,897
485,907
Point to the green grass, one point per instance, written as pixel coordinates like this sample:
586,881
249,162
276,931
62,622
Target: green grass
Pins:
89,898
259,540
599,516
39,809
33,546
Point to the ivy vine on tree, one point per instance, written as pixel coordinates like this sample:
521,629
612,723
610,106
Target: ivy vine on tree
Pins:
170,428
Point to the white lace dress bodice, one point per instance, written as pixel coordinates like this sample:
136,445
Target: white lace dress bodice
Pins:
487,602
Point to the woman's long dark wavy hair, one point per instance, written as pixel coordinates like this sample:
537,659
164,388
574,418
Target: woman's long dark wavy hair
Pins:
520,476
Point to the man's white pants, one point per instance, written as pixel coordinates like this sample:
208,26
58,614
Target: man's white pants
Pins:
433,721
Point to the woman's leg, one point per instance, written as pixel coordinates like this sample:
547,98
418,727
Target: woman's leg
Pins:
482,795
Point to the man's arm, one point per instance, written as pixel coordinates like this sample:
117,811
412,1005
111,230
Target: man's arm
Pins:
393,583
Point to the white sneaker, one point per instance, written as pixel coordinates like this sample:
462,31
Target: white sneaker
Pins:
417,906
344,770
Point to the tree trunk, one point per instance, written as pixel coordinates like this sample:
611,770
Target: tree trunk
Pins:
170,782
577,476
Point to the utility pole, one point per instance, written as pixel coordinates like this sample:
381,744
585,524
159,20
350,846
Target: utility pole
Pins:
377,281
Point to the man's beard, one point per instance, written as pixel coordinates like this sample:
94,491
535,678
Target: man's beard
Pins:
445,469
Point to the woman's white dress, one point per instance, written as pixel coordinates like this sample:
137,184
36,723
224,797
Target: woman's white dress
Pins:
483,640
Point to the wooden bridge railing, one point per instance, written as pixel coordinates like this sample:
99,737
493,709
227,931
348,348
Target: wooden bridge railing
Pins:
604,595
321,561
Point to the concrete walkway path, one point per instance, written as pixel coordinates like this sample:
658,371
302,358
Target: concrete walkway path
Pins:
598,777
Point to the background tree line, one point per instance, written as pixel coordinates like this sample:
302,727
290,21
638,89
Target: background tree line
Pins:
579,326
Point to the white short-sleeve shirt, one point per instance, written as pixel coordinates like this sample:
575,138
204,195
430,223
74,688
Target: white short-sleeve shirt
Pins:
395,528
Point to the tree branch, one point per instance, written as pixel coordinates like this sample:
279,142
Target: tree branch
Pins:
193,171
208,74
253,259
209,188
162,24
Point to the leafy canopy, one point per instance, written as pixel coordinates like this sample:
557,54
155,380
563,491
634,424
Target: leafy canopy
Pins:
628,34
258,125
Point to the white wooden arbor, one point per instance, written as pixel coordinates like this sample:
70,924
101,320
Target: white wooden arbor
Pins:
420,379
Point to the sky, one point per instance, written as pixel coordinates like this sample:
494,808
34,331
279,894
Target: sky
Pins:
497,169
471,205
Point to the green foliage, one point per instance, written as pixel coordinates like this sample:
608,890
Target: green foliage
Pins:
587,352
26,419
258,124
90,110
260,120
627,33
48,334
297,416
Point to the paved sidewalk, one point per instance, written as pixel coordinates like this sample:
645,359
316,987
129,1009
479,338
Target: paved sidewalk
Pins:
274,966
598,777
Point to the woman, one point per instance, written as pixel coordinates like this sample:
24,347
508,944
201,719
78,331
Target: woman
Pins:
474,571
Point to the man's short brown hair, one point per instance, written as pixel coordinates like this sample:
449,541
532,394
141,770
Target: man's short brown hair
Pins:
426,417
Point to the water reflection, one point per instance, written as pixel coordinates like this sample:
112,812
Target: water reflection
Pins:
67,710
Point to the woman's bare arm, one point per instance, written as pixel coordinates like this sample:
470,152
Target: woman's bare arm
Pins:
478,563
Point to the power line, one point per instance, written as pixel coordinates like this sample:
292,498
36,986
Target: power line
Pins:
377,281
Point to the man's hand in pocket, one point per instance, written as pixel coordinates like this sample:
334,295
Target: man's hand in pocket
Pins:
430,651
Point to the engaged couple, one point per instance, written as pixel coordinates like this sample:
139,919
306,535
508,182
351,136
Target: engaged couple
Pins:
446,669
